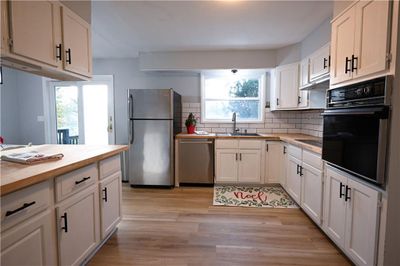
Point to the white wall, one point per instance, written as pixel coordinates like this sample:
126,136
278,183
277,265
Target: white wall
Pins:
21,104
128,76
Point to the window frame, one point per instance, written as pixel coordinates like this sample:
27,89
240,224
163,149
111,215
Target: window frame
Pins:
261,98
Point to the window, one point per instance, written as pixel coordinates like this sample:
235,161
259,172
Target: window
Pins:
224,94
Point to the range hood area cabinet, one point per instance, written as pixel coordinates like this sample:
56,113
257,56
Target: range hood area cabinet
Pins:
315,68
45,38
361,38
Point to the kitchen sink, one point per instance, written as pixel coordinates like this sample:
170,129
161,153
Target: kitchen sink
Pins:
317,143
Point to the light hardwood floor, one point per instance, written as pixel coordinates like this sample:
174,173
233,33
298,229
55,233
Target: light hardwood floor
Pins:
182,227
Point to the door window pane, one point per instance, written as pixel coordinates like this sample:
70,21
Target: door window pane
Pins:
95,110
67,114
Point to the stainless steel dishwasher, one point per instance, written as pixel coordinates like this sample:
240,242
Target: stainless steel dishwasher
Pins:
196,162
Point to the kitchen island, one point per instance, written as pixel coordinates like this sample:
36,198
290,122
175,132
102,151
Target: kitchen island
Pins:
60,212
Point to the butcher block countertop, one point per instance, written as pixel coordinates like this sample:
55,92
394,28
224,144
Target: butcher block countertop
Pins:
15,176
289,138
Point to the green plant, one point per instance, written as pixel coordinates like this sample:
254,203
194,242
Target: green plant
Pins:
191,120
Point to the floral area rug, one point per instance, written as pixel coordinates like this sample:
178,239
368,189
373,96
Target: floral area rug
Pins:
246,196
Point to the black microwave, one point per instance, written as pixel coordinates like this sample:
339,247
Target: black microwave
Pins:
355,129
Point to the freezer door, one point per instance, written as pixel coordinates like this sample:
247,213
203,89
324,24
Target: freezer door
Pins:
151,104
151,154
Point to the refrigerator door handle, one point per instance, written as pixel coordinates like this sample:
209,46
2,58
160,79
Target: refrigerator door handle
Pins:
130,106
131,131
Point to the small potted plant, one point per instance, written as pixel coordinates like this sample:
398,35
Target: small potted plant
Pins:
190,123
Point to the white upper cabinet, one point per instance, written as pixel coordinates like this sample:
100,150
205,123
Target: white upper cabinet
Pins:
46,38
342,46
35,31
320,63
360,41
372,41
287,86
77,43
304,72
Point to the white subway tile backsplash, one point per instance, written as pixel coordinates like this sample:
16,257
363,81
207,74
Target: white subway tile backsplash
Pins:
306,122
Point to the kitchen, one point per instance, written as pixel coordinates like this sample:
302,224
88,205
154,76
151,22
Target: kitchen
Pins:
343,197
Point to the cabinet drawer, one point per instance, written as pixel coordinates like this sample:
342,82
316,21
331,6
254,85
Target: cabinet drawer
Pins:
110,166
75,181
226,144
250,144
294,151
22,204
312,159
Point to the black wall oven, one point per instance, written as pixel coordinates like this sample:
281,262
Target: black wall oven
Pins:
356,124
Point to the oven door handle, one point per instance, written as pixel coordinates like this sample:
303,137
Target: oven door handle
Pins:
381,112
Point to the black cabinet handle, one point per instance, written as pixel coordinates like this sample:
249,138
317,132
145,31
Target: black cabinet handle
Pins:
347,196
267,147
82,180
329,61
346,67
284,149
24,206
354,63
105,194
58,52
325,61
240,156
277,101
69,57
65,227
298,171
301,170
236,156
299,100
341,194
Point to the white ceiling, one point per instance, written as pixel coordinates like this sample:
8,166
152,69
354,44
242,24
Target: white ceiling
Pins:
125,28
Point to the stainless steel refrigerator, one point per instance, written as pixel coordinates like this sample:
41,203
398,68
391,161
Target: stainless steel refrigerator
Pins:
154,120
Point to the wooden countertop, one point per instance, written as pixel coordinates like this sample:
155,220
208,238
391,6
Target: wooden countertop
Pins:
15,176
289,138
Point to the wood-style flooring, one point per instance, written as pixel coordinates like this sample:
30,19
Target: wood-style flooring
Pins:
182,227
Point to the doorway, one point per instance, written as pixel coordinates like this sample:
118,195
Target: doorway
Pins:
81,112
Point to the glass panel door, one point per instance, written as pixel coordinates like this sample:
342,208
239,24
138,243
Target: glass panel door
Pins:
67,114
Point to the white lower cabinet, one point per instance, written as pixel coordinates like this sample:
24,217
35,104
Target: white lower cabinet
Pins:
31,242
249,166
78,226
226,163
311,200
110,202
238,161
274,162
351,216
293,178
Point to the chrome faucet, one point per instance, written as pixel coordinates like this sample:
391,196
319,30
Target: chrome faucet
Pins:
235,130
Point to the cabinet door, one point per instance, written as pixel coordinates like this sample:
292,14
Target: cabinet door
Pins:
304,72
78,226
335,206
361,223
77,43
319,62
30,243
226,165
35,30
249,166
303,99
293,178
372,37
311,200
273,162
110,197
287,85
342,46
283,177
